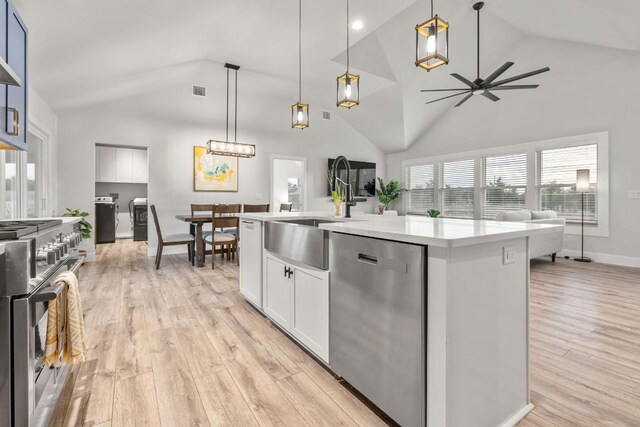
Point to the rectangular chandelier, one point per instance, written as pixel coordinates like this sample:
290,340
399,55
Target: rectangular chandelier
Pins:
226,148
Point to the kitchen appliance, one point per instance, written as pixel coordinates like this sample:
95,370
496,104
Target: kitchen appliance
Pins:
139,219
32,254
377,333
105,220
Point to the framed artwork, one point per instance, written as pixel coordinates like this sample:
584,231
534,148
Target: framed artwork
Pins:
214,173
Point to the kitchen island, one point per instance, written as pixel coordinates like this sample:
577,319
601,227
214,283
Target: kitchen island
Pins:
428,318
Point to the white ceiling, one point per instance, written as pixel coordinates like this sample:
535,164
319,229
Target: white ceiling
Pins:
89,52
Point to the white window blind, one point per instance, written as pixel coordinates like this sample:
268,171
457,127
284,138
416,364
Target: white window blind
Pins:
458,189
505,184
557,181
421,191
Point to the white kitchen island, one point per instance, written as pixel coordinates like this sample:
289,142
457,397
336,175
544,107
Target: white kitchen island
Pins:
477,285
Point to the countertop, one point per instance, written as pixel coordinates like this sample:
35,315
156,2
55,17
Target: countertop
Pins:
443,232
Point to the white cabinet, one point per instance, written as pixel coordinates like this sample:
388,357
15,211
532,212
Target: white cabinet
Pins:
124,165
297,299
251,261
105,164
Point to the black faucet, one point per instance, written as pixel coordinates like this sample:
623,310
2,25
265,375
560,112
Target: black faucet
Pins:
347,185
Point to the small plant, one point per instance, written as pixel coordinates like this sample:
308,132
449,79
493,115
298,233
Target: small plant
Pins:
337,195
387,194
433,213
84,225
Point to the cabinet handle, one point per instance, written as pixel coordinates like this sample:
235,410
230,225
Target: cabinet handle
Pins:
16,122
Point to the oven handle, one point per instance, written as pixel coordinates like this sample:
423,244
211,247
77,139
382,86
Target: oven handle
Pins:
49,293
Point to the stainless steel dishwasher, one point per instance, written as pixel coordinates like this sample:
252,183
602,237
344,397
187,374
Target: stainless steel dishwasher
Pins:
377,332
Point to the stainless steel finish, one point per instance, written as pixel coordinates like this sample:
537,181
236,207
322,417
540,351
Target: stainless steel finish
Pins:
377,334
308,222
298,241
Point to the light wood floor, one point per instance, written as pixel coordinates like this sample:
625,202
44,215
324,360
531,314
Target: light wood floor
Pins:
180,347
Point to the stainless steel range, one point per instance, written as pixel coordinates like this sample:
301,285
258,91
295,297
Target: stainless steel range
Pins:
32,254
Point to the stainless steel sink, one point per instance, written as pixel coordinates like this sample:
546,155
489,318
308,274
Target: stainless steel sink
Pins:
299,240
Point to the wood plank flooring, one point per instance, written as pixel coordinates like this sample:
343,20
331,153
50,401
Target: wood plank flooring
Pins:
180,347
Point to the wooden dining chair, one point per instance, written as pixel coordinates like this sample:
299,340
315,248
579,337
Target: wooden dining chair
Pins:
286,207
195,209
255,208
222,217
171,240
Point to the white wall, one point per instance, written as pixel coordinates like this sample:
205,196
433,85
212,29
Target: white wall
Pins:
171,121
589,89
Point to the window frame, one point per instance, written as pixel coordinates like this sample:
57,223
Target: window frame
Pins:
532,199
434,189
483,183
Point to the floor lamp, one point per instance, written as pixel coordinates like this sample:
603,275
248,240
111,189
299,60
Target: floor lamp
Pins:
582,186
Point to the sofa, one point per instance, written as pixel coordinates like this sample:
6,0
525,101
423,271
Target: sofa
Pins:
546,244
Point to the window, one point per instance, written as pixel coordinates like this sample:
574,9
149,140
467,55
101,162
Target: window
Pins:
293,196
557,181
505,184
458,189
421,188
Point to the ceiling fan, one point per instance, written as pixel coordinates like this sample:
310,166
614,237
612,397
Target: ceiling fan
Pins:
488,85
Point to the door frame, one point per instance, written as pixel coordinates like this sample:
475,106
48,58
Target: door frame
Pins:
47,167
272,160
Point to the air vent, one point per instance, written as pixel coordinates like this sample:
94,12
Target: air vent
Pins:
326,115
199,91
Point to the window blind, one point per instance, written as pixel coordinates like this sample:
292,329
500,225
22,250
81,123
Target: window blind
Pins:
557,181
421,190
505,184
458,189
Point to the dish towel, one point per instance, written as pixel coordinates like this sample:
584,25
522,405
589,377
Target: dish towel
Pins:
71,347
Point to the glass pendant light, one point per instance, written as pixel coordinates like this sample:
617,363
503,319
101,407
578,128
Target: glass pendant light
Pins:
300,111
348,94
432,42
226,147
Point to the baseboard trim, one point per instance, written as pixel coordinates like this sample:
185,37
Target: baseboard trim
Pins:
625,261
515,418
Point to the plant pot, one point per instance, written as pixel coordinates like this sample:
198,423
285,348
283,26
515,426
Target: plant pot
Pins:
338,209
380,208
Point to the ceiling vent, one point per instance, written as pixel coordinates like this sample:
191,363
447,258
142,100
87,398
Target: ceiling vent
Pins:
326,115
199,91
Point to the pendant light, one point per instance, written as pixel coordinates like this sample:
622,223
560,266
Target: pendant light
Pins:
432,42
300,111
226,147
348,94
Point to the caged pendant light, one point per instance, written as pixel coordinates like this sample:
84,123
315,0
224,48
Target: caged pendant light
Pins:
300,111
432,42
348,93
226,147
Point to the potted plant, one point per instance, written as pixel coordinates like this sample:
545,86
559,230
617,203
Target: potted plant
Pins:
337,196
433,213
84,227
387,194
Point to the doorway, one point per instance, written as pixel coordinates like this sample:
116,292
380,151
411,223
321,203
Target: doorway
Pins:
288,182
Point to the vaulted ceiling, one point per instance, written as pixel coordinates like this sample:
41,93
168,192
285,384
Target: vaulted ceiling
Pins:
86,52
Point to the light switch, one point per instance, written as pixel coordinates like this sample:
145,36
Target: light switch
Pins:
508,255
634,194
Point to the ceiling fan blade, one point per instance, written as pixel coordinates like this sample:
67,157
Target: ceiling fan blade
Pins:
465,99
446,97
497,73
442,90
522,76
463,80
490,96
514,87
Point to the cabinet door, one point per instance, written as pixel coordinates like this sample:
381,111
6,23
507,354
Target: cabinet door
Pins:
310,321
278,292
139,169
15,128
106,159
124,165
251,261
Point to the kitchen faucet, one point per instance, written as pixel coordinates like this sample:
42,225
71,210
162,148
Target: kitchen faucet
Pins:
334,177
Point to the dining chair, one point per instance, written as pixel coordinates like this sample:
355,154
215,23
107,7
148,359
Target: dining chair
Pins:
195,208
171,240
229,210
255,208
222,218
286,207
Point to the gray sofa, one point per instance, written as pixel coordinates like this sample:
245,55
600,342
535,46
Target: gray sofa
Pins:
547,244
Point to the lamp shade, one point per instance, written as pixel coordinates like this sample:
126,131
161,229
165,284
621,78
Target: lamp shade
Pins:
582,181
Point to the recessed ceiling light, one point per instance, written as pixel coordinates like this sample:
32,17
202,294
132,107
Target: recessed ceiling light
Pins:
357,25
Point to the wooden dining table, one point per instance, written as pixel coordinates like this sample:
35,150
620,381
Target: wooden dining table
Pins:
197,221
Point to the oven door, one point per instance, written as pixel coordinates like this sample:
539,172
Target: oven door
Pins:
32,381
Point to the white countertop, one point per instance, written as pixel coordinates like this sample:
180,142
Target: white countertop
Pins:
442,232
65,219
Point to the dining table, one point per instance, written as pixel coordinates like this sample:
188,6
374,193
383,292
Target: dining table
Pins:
197,221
